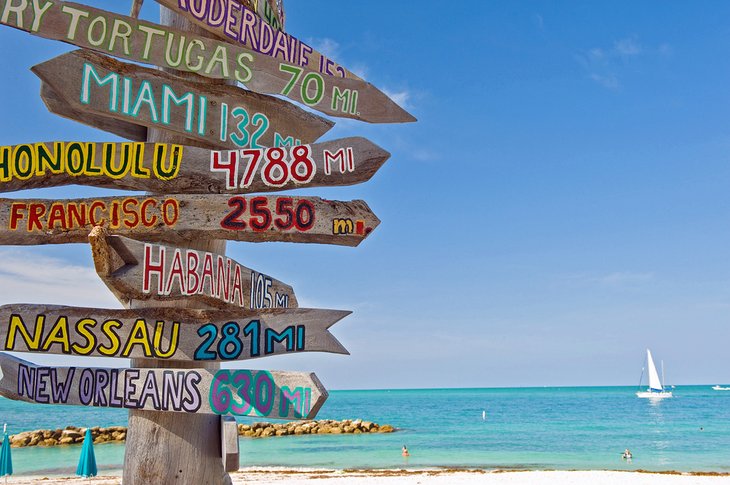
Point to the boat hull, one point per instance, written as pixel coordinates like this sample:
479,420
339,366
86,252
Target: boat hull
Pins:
654,395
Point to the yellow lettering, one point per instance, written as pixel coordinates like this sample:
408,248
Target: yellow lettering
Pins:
89,336
18,325
108,330
138,336
58,335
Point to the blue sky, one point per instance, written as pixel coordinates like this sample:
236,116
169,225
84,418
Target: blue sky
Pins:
561,204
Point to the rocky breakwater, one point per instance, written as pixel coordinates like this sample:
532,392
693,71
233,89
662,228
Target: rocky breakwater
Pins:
325,426
67,436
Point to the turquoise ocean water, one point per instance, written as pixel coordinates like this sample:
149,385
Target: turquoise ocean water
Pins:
525,428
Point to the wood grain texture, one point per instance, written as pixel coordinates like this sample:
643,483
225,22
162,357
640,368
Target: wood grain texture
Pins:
217,115
180,219
293,395
236,23
178,169
149,43
141,271
167,333
229,444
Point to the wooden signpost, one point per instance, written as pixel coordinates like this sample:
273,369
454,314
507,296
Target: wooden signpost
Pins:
183,218
135,270
167,168
189,136
168,334
239,392
234,22
150,43
213,115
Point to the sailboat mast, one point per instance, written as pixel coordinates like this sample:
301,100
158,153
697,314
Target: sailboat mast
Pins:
663,384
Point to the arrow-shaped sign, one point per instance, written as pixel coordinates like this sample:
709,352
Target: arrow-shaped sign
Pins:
177,169
239,392
146,271
167,333
234,22
149,43
216,115
179,219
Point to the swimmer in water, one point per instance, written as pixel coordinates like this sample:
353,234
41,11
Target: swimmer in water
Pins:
404,452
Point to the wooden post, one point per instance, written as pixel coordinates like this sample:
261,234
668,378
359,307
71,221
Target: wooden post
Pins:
172,448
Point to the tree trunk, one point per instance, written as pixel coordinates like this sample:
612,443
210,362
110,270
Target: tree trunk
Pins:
174,448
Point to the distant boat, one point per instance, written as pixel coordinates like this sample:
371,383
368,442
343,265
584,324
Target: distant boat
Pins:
656,388
720,388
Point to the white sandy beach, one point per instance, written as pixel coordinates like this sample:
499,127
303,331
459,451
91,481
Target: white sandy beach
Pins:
423,477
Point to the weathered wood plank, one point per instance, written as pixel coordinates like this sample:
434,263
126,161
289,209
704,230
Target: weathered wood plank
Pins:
229,443
179,219
168,168
285,395
166,333
218,115
135,270
150,43
236,23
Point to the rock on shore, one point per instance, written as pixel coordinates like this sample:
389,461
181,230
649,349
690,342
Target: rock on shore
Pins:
72,435
325,426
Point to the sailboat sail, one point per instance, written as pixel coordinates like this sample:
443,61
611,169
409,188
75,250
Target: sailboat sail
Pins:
654,383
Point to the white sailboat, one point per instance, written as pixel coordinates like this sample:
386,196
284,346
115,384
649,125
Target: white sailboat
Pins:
656,388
